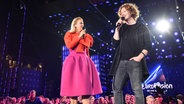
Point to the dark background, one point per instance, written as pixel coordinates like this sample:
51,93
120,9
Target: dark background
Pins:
41,42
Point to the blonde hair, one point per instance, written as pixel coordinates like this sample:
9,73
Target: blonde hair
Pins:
132,8
149,97
74,21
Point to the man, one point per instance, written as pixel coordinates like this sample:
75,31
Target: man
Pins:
132,42
32,99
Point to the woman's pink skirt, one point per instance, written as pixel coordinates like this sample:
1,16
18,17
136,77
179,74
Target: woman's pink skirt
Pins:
79,76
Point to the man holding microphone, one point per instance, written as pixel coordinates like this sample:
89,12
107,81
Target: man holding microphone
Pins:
132,42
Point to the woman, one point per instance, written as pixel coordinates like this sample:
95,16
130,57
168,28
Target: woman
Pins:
79,75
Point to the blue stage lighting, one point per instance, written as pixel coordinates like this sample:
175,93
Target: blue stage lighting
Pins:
163,42
153,44
153,23
107,2
171,20
160,36
163,50
115,3
175,33
59,14
152,75
177,40
112,30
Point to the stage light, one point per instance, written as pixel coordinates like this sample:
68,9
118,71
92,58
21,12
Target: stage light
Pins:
107,2
182,54
112,30
160,36
163,42
163,26
177,40
95,5
98,33
59,14
177,7
163,50
171,20
175,33
40,66
168,56
153,44
115,3
153,23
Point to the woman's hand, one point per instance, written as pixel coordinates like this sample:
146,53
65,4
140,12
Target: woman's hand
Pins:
82,33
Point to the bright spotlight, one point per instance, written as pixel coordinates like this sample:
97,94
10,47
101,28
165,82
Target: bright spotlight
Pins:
163,50
175,33
112,30
163,26
177,40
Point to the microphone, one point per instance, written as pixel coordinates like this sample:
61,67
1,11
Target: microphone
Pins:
84,30
119,24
